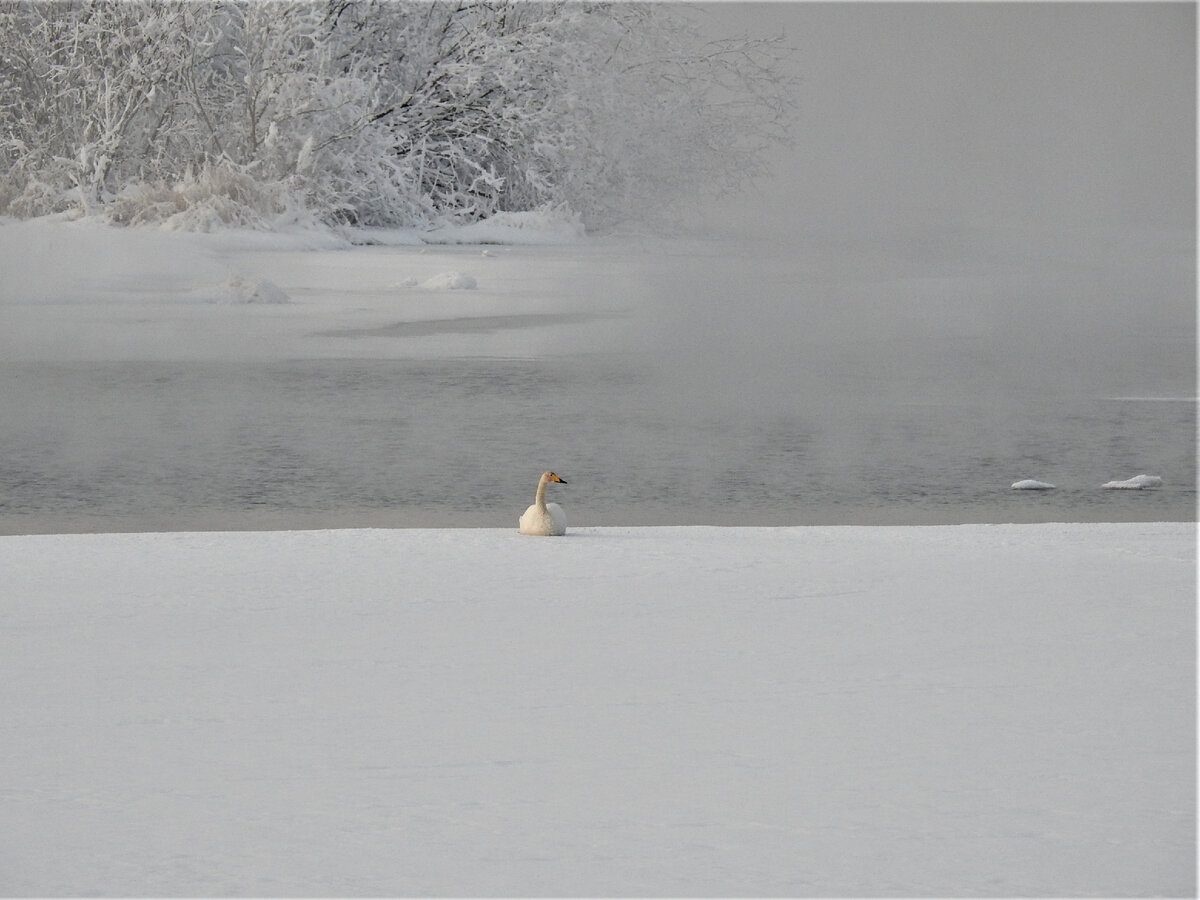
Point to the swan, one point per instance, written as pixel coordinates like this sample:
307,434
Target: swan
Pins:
547,519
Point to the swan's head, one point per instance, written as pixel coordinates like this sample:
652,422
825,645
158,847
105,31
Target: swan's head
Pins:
550,476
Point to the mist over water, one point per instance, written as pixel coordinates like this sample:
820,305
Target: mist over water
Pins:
693,382
976,265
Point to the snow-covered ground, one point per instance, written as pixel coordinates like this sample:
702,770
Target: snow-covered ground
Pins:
820,711
1005,710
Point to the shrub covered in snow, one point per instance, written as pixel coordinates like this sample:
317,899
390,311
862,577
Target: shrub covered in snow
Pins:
205,114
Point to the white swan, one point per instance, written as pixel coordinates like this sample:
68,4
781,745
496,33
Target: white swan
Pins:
547,519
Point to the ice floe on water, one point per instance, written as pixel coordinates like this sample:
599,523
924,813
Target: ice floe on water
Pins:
1030,484
1136,483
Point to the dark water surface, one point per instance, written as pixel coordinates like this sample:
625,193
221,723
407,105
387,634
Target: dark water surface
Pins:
461,442
744,390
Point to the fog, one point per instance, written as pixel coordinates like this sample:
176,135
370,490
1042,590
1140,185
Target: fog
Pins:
954,115
1022,174
983,234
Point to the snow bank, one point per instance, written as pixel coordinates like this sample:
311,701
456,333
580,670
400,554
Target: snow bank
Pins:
527,229
87,260
533,228
1001,710
1136,483
550,226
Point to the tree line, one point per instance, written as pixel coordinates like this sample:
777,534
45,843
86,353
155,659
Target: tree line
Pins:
375,112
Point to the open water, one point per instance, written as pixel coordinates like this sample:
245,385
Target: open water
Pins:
726,414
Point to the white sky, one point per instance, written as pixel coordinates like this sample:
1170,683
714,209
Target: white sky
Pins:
1072,114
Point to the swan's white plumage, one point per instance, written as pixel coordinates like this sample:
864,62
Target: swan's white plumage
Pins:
542,518
548,522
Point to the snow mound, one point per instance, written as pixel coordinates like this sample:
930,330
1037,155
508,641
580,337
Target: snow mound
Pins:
544,226
446,281
1136,483
1029,484
239,289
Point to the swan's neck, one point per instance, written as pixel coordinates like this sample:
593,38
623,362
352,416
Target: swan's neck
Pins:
540,500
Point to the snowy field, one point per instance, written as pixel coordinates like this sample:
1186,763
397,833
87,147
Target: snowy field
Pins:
810,710
820,711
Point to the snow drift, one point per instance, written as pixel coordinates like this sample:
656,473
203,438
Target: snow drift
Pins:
544,226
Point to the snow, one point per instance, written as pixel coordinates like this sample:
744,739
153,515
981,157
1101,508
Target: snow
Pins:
807,711
1136,483
546,226
446,281
145,285
1031,484
240,289
552,226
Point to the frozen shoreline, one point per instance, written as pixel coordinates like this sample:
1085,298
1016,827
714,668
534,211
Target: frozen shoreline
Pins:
813,711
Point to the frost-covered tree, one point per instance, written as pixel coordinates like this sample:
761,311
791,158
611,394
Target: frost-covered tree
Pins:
374,112
86,95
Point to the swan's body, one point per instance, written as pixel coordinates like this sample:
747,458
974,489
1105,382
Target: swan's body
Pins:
545,519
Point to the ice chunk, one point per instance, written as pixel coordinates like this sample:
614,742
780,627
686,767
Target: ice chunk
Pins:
1030,484
1136,483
